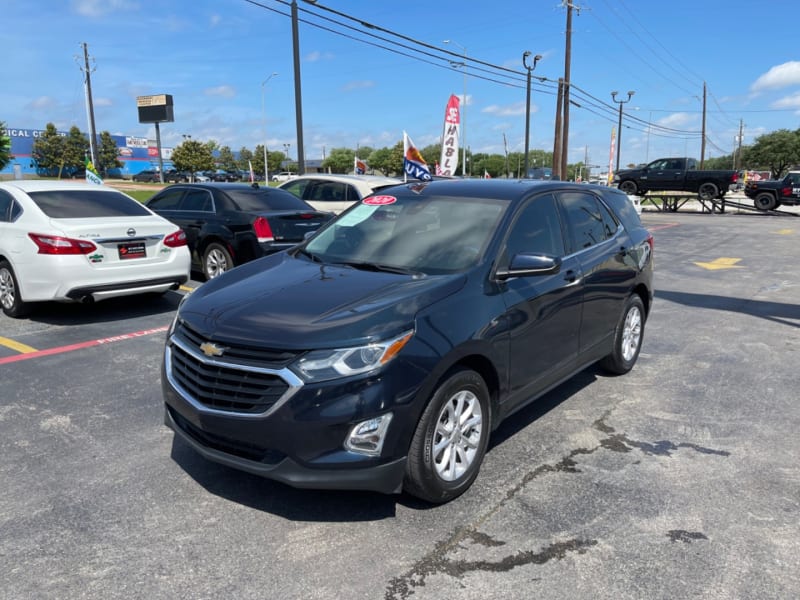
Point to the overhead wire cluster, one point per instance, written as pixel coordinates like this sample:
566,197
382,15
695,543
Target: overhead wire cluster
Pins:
358,30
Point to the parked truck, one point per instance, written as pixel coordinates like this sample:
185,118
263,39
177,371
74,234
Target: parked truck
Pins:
675,175
770,194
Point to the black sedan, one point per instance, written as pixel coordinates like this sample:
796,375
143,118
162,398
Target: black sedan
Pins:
147,176
381,354
228,224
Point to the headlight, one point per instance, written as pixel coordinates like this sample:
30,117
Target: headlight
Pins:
321,365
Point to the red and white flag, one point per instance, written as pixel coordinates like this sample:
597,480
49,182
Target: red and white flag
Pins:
452,131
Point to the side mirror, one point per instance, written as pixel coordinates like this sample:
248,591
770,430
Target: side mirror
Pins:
526,265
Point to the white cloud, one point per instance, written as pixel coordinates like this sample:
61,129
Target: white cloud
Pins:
788,102
677,120
99,8
42,103
317,56
215,20
357,85
511,110
225,91
779,76
102,102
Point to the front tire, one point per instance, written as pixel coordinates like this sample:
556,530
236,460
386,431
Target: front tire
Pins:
765,201
629,187
628,337
450,440
10,298
708,191
216,260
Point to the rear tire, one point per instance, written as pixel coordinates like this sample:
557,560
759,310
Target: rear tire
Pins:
628,338
216,260
10,298
708,191
765,201
450,440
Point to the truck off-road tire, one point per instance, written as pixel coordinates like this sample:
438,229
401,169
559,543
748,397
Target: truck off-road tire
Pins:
708,191
765,201
629,187
451,439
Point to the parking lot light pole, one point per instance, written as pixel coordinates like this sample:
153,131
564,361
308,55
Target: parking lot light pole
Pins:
530,69
619,128
462,111
264,122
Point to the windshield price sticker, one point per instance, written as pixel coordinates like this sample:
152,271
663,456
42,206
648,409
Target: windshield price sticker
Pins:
380,200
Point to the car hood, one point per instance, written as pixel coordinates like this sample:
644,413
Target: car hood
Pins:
285,302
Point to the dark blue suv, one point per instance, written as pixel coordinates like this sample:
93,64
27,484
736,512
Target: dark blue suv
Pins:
381,353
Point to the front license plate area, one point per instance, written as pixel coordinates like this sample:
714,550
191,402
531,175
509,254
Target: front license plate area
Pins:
131,250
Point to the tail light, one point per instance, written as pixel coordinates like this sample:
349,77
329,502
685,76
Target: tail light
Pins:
787,191
176,239
263,230
735,177
53,244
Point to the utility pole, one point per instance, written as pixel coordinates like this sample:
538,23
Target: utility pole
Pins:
703,141
565,100
557,135
737,164
298,96
89,106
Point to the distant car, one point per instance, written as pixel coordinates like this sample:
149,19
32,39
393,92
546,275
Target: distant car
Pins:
147,176
540,173
772,193
336,193
223,176
228,224
174,176
383,352
201,177
284,176
82,242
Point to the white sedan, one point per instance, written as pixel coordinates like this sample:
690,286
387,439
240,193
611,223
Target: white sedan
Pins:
336,193
81,242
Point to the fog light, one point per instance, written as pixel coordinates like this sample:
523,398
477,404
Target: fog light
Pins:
367,437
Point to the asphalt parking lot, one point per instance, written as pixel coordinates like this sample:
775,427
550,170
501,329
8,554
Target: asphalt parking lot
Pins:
678,480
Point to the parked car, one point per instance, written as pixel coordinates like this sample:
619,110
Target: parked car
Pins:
175,176
283,176
224,176
381,353
540,173
771,193
82,242
201,177
147,176
336,193
228,224
675,174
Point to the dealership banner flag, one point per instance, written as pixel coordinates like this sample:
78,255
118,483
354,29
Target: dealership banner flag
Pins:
252,174
91,173
448,163
359,166
611,155
413,164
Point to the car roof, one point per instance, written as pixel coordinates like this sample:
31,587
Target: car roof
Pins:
49,185
506,189
371,180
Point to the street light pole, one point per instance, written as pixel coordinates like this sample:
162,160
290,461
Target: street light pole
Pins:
463,111
264,123
619,129
530,69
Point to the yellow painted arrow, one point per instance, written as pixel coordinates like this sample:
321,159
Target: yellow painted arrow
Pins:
785,231
720,263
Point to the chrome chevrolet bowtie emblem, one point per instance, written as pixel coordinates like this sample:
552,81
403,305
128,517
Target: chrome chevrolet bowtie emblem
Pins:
210,349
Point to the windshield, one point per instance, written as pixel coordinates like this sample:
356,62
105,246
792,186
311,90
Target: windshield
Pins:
431,235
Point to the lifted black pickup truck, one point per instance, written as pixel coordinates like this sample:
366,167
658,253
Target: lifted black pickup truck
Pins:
770,194
675,174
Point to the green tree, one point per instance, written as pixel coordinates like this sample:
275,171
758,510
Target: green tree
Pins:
5,146
107,154
719,162
48,150
380,160
776,151
340,160
76,148
395,162
432,153
245,158
226,159
192,156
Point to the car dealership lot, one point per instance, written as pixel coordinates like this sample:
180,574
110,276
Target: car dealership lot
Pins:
681,479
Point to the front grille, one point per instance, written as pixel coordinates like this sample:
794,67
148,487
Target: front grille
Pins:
229,387
227,445
262,357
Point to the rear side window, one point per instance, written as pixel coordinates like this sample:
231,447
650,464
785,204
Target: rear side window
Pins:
197,200
623,208
585,220
9,209
87,204
263,199
169,200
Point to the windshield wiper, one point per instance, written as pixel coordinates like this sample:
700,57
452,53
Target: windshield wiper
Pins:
371,266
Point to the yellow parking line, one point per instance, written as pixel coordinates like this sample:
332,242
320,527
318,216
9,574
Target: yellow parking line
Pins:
186,288
21,348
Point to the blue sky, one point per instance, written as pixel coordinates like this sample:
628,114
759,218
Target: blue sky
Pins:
365,85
